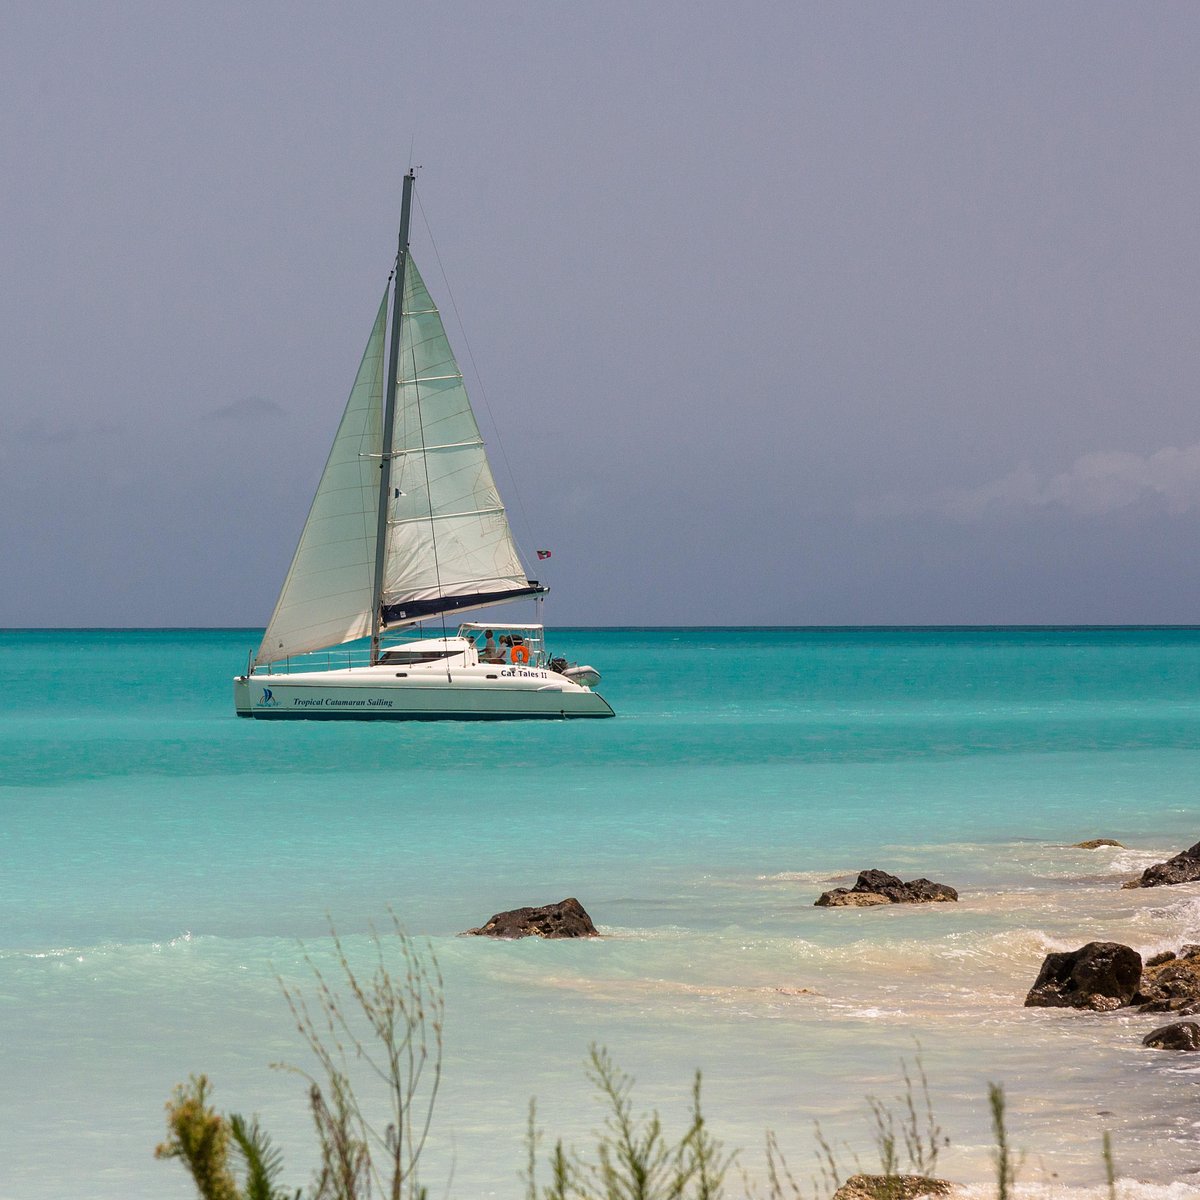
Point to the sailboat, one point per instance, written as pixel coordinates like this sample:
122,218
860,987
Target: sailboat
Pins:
407,527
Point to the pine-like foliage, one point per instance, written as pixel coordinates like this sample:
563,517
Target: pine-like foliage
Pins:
200,1136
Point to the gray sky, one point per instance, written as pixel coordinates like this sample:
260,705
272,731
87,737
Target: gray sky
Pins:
787,313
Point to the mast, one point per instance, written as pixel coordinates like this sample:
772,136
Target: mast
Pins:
389,414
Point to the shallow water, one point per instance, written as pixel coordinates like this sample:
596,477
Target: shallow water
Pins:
161,859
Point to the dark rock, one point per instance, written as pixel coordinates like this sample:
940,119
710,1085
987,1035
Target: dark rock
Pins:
1100,976
925,891
891,1187
1181,1006
1183,1035
1157,961
567,919
882,884
1096,844
1183,868
1169,979
886,889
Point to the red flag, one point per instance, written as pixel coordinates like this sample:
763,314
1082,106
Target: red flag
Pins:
543,554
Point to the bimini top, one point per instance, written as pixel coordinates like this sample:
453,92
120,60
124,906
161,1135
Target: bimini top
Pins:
486,625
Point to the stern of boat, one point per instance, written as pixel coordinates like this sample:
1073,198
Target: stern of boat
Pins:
241,696
583,702
603,708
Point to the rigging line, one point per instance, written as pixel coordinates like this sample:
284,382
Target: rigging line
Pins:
479,380
437,569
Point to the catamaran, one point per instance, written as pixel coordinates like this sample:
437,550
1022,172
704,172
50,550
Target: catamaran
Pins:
407,527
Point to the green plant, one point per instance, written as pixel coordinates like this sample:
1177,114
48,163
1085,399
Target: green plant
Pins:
634,1159
884,1130
364,1030
203,1138
916,1130
1110,1169
1006,1167
560,1164
708,1160
924,1138
780,1181
827,1164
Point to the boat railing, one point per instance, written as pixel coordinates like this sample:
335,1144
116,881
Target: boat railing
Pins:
514,643
319,660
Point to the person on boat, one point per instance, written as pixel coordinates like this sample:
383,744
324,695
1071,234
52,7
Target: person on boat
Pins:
491,652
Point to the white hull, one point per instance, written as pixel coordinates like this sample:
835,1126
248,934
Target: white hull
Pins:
381,693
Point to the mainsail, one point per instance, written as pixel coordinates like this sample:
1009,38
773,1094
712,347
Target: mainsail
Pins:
448,546
326,597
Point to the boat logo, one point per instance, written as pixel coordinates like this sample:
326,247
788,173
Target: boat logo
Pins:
268,700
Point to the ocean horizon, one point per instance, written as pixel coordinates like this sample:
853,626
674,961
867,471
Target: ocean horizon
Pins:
165,865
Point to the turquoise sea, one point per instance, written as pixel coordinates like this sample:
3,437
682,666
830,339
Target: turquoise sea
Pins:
164,863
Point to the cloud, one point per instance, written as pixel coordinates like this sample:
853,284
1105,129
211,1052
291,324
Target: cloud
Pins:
1094,484
249,408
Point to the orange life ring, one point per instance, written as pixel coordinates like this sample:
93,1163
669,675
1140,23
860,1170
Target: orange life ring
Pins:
519,654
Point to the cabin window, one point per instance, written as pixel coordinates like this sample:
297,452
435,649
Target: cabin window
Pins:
400,658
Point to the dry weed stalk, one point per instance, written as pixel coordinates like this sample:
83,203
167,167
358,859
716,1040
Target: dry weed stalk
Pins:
390,1026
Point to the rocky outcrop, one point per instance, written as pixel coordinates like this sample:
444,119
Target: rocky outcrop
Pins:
1183,868
1183,1035
1097,844
891,1187
1100,976
1170,982
567,919
878,887
1179,1006
845,898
